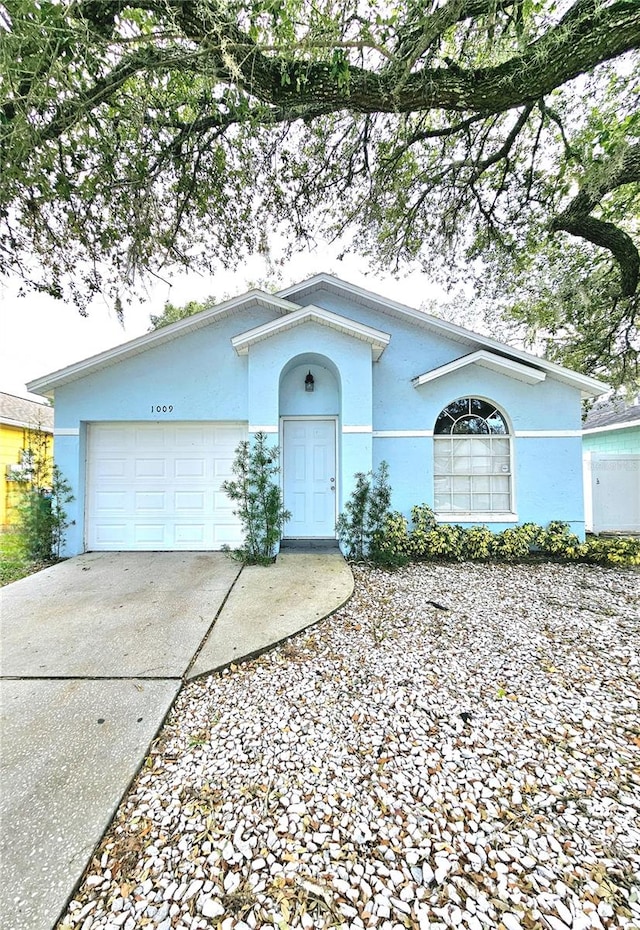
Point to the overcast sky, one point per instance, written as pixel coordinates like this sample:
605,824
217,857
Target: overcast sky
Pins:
41,335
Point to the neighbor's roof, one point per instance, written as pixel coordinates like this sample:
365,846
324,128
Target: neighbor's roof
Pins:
609,416
24,413
284,303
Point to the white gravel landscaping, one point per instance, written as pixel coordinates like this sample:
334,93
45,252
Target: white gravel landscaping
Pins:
400,765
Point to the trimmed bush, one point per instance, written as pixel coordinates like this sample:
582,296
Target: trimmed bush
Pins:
425,539
611,550
369,530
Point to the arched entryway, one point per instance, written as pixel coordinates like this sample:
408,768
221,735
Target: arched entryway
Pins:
309,406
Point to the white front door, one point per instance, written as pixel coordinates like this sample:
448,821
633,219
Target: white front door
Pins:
309,477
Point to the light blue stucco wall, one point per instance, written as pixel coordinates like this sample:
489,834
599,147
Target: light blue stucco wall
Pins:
203,378
547,468
272,396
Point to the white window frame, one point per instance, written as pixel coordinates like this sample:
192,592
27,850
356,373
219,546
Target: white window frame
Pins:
476,516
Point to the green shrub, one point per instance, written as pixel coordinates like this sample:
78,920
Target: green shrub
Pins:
44,492
445,542
368,529
515,542
362,527
558,540
611,550
479,543
259,498
395,535
423,522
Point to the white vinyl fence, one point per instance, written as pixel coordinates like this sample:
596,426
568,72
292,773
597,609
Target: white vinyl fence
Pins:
612,492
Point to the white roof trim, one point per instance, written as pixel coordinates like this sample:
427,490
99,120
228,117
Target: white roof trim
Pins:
504,366
47,384
589,387
626,424
377,339
23,424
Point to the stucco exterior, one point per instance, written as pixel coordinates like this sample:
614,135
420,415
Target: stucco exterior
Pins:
245,363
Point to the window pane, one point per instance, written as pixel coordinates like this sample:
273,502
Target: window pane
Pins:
500,446
461,446
497,424
442,461
444,423
462,502
481,484
442,496
501,503
471,425
480,445
461,465
481,466
459,407
500,483
481,502
480,407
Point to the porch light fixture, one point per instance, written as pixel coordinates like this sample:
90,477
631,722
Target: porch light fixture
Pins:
309,383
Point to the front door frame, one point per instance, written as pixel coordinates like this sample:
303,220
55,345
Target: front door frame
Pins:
318,416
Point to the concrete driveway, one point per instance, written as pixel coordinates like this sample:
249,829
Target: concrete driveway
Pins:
113,615
94,651
93,654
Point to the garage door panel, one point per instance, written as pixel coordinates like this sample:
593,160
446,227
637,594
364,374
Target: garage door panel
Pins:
112,468
150,438
192,438
192,533
111,437
162,484
190,468
111,535
150,534
150,500
111,501
150,468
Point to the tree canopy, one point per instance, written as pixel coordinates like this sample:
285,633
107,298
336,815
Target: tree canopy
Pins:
495,138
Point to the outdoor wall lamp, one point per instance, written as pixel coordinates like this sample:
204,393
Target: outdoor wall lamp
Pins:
309,383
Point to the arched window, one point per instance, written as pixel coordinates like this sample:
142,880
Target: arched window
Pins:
472,462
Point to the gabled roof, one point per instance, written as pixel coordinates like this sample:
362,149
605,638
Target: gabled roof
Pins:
590,387
281,303
22,412
487,360
47,384
377,339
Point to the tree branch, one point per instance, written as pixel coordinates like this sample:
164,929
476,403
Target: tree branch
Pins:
576,219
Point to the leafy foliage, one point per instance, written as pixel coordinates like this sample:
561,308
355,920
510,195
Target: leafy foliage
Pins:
42,519
141,136
258,498
426,540
363,527
172,313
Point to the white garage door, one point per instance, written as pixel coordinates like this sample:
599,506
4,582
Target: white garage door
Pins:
157,485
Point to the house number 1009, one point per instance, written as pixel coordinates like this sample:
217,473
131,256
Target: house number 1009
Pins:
164,408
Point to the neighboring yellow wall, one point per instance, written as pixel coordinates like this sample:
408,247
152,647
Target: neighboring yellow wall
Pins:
12,442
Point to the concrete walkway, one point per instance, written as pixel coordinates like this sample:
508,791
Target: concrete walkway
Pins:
94,652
